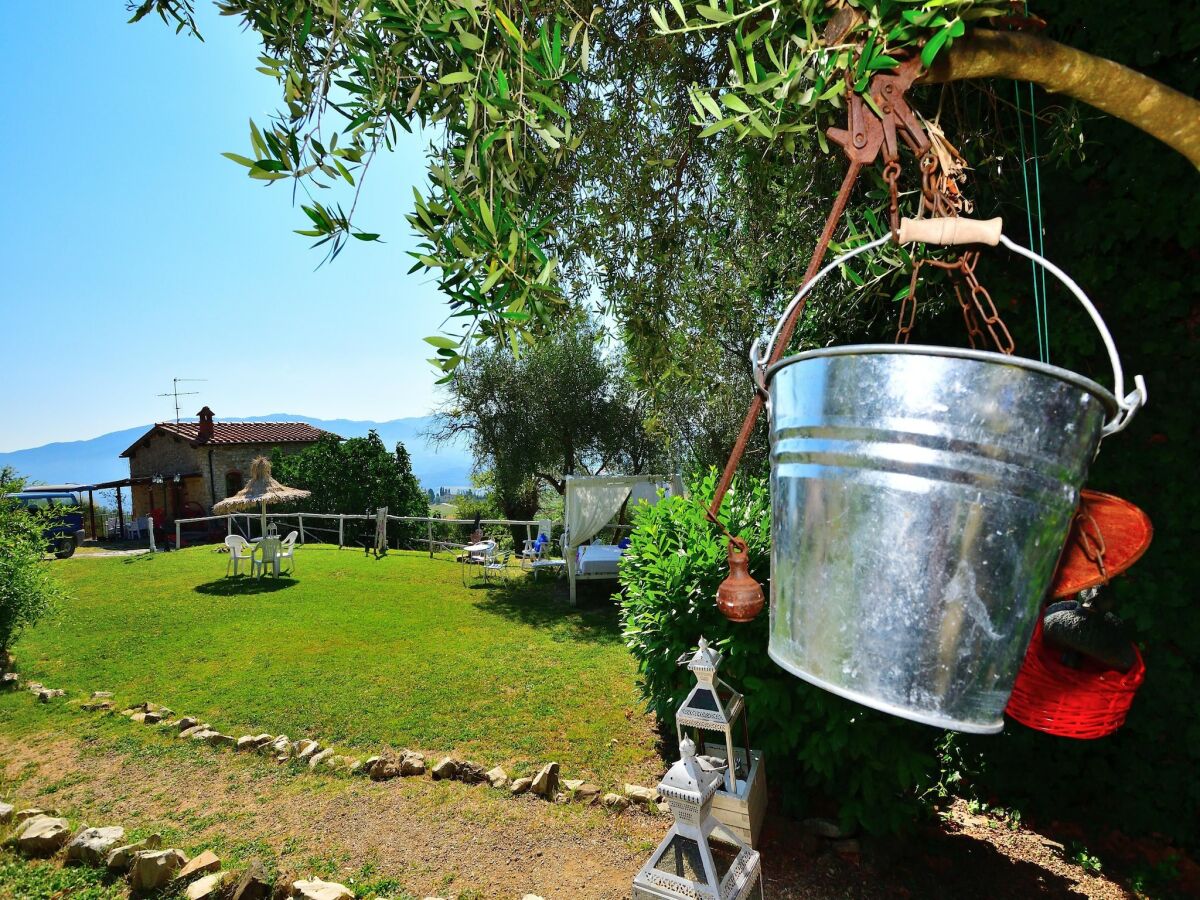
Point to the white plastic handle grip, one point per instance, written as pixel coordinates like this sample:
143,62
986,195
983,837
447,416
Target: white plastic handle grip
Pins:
951,230
1127,404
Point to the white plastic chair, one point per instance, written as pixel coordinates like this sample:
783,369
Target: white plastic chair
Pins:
265,553
553,566
496,567
287,550
547,564
534,551
237,546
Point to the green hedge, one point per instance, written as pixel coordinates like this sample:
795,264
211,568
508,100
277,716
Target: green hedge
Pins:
822,752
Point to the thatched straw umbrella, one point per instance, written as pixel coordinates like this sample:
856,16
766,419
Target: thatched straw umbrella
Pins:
261,490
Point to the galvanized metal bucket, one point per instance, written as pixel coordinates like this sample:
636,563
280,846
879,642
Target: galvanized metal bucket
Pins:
921,497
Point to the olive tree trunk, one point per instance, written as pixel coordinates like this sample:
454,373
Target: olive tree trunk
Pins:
1160,111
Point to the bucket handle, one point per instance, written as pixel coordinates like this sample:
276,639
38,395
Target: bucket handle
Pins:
954,230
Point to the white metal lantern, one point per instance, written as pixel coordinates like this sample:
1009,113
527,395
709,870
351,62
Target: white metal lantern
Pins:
714,706
688,863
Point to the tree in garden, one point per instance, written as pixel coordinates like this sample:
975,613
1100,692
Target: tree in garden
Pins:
355,476
513,86
28,590
11,481
561,408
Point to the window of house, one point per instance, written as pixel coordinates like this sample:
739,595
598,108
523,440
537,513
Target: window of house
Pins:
233,482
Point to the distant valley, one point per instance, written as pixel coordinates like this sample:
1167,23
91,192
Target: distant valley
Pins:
98,459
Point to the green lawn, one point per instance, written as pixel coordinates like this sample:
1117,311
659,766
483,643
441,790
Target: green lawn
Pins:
22,879
357,652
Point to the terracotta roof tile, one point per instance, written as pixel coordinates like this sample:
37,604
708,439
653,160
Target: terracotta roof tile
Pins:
241,433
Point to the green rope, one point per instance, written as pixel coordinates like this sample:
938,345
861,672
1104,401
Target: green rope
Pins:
1041,231
1038,298
1037,240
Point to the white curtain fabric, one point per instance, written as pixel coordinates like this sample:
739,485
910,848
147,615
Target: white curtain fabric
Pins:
590,506
648,491
677,489
591,503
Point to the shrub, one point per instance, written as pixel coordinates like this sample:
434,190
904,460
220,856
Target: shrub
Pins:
819,747
356,476
27,589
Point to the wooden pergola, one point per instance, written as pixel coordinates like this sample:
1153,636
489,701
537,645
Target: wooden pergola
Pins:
102,486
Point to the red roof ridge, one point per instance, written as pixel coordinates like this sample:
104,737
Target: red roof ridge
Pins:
230,433
238,422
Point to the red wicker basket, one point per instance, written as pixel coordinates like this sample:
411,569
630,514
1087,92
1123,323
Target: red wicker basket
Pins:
1088,702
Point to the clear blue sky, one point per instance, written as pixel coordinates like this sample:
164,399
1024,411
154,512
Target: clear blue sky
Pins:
134,252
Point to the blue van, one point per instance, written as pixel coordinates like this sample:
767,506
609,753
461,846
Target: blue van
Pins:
65,530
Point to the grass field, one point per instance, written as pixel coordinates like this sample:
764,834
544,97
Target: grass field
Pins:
355,652
21,879
363,654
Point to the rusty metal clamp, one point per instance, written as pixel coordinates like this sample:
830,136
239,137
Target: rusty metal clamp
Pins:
898,118
865,136
862,137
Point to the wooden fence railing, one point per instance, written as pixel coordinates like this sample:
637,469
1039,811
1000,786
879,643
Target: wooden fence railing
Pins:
243,523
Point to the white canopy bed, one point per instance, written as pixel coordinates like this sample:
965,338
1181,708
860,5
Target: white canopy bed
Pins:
590,505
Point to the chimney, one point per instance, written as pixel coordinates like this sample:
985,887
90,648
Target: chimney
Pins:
205,432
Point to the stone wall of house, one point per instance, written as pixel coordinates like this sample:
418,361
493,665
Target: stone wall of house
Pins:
167,455
165,496
237,458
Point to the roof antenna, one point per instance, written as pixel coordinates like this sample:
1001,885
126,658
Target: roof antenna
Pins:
177,393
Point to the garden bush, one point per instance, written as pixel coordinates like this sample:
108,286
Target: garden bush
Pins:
27,588
825,752
357,476
822,752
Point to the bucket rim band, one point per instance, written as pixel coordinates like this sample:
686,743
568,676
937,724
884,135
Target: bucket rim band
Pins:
1101,393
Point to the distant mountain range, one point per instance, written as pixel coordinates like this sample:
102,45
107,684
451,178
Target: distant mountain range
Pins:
98,459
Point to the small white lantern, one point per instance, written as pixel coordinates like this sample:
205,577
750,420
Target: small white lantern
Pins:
712,705
688,864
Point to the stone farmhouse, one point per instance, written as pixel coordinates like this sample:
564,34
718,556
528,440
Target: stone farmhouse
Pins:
183,468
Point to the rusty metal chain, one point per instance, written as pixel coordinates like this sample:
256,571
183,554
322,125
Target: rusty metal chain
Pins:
940,195
930,197
974,333
985,306
908,306
977,307
941,171
891,175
